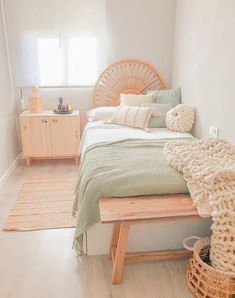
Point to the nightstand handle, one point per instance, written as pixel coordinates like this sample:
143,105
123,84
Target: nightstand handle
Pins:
44,121
54,120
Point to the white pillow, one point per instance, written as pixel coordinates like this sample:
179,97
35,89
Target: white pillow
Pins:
133,116
181,118
101,114
135,100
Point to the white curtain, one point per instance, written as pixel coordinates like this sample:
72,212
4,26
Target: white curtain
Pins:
56,42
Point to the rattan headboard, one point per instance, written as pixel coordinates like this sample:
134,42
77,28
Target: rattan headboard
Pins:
125,76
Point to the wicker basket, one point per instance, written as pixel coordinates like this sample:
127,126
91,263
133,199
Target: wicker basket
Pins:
202,279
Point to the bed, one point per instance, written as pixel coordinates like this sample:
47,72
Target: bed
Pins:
118,161
98,132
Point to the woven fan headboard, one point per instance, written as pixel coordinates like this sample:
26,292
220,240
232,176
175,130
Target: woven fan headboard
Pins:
125,76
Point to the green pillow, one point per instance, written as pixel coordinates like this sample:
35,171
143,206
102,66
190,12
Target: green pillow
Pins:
158,121
172,96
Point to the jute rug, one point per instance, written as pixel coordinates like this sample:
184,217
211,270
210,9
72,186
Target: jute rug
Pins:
44,202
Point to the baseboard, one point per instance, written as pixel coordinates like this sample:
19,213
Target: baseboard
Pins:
11,168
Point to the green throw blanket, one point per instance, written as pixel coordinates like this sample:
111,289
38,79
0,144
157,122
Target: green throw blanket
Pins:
120,169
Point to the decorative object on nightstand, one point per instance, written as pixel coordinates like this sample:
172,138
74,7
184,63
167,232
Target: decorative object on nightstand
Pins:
62,108
35,101
50,136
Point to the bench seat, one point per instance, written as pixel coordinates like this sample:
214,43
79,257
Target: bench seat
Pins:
123,212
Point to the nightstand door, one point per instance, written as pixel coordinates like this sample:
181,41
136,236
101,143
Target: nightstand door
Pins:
25,135
39,136
65,135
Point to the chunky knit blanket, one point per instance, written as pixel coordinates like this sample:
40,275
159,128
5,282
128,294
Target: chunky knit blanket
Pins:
210,165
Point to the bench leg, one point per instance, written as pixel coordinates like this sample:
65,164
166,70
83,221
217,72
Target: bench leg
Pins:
120,253
114,241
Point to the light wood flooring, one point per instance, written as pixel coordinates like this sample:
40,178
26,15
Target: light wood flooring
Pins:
41,264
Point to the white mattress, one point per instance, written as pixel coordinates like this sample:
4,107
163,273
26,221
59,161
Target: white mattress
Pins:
98,132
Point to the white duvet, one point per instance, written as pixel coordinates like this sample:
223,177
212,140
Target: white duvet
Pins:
98,132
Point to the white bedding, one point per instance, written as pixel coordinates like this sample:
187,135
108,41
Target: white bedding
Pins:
98,132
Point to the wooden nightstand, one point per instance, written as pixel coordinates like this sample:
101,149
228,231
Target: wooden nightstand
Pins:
50,136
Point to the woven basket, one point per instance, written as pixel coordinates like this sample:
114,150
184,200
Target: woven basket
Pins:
203,280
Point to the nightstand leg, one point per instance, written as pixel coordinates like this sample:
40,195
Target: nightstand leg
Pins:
28,161
77,160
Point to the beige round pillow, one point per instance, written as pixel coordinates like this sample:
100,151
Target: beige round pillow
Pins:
181,118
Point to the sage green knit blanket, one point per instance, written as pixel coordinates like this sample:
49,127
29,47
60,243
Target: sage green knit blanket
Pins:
120,169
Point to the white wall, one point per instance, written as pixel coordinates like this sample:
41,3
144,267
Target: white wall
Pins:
142,29
204,62
136,29
9,147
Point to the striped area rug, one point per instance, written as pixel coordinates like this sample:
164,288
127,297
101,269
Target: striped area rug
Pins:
44,202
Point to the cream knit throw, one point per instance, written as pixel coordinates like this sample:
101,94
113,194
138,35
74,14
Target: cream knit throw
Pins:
210,164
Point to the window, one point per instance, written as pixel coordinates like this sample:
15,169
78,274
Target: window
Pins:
50,61
82,61
68,62
56,43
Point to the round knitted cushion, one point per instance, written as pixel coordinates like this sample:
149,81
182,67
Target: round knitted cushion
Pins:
181,118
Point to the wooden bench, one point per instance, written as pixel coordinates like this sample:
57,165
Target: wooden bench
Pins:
123,212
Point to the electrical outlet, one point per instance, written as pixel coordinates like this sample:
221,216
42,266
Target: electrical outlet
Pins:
214,131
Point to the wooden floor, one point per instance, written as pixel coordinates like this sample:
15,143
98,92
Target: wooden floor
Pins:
41,264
